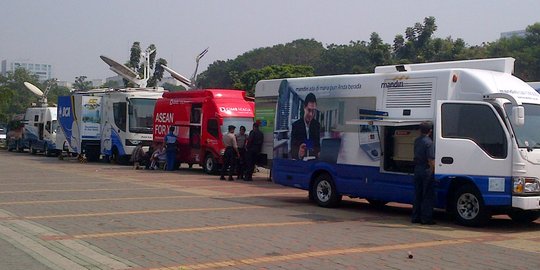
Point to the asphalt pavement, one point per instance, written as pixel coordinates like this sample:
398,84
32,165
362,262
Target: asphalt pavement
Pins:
62,214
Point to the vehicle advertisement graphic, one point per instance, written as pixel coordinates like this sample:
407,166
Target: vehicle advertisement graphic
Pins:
91,117
316,129
65,116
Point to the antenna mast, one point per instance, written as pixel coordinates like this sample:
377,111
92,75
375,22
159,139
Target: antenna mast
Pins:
194,77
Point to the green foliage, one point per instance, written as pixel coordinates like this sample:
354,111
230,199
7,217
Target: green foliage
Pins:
136,64
173,88
416,45
111,84
223,74
15,97
81,83
247,80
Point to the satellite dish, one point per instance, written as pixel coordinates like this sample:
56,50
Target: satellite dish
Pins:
34,89
124,71
177,76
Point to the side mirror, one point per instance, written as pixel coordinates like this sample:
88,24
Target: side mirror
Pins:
518,115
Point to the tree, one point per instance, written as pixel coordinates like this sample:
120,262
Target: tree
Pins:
172,87
14,97
298,52
247,80
55,91
81,83
344,59
156,71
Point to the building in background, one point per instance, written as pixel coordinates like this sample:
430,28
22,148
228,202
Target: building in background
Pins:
64,84
97,83
43,71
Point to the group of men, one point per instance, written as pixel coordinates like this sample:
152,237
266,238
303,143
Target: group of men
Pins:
241,152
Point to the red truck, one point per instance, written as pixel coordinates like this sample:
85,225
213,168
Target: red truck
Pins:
200,118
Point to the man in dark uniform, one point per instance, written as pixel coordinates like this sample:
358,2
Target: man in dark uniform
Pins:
254,147
231,153
424,188
170,144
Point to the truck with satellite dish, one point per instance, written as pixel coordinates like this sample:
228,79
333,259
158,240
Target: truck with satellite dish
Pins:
109,123
486,122
200,118
38,134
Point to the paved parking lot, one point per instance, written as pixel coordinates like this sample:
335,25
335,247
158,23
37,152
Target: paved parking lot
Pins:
65,215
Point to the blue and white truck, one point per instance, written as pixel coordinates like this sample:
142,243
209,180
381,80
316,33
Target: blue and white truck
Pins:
106,123
486,123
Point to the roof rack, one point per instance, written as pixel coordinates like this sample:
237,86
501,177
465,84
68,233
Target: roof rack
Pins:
505,65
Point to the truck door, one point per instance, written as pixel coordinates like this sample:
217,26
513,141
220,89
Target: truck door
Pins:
195,122
471,140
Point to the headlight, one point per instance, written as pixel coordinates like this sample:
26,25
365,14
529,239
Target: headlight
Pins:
526,185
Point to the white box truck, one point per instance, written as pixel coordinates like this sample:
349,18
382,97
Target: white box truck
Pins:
486,123
106,122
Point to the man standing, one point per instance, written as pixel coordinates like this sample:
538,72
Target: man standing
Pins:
424,188
170,143
241,140
231,153
305,134
254,146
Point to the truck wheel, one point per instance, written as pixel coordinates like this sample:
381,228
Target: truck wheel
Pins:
18,147
46,150
524,216
324,191
32,151
114,156
8,144
210,166
469,208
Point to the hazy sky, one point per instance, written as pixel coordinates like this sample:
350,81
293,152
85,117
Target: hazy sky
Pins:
72,34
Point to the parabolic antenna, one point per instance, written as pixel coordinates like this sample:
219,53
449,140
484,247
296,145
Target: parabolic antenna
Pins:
34,89
124,71
177,76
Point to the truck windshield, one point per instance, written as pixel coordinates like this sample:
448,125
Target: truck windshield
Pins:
237,122
141,115
527,135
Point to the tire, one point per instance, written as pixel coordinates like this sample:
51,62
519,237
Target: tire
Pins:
376,203
324,191
32,150
46,150
210,165
469,208
524,216
114,158
18,147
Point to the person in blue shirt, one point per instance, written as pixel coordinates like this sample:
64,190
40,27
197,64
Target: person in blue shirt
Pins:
170,143
424,181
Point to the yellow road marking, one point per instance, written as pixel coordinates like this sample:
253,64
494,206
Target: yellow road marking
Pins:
76,190
149,198
144,212
311,254
55,183
195,229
